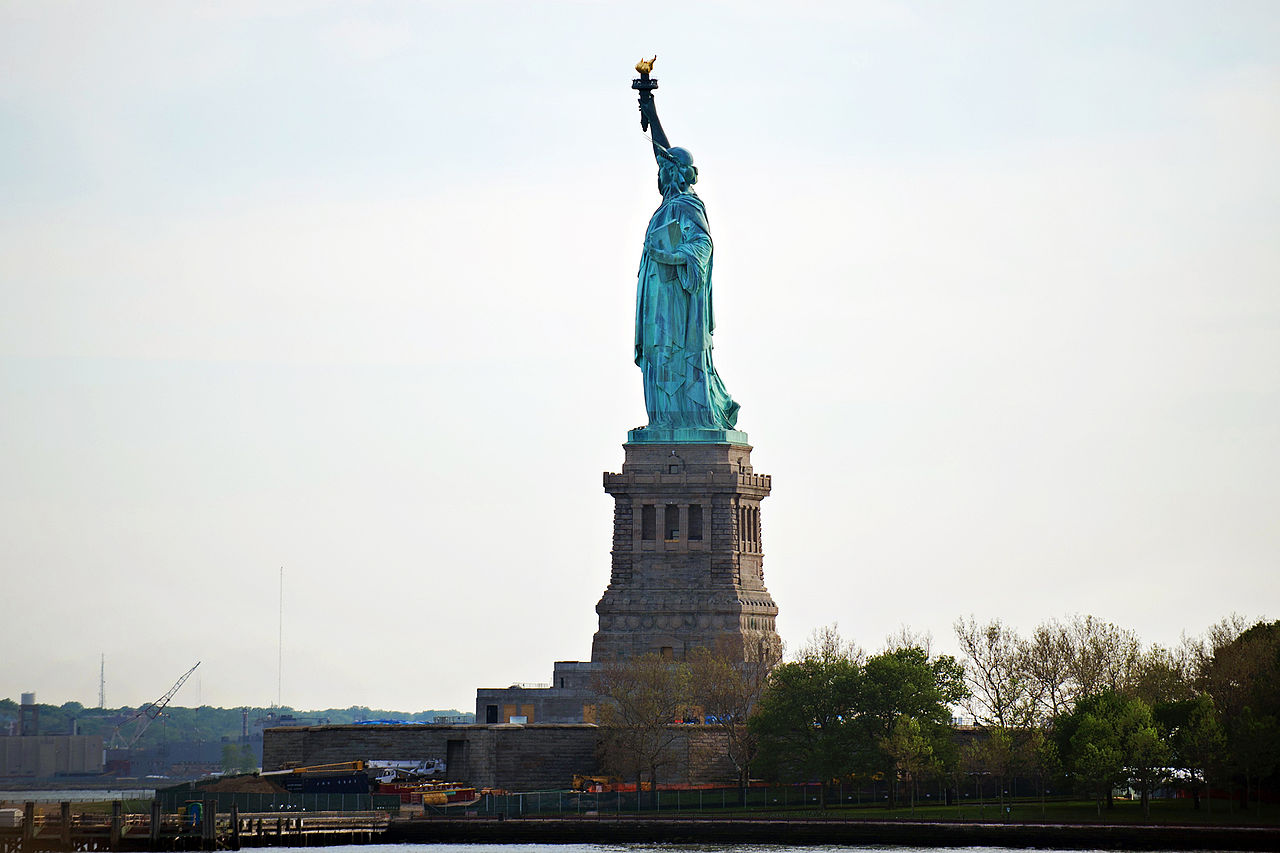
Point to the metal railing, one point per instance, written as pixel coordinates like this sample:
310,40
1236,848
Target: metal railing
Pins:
171,801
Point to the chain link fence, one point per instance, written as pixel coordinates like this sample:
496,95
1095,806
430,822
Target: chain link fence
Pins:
731,800
171,801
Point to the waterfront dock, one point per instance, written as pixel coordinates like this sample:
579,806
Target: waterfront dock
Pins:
234,830
793,832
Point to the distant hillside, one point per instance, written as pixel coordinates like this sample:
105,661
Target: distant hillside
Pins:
205,723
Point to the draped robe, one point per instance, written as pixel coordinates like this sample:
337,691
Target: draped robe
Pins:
674,322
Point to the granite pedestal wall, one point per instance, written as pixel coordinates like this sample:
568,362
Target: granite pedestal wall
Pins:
688,556
515,757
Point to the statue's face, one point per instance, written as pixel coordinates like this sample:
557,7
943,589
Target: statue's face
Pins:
675,175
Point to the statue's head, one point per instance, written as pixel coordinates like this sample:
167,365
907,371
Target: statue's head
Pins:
676,170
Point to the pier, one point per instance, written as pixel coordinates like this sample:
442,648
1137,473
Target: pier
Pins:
206,829
233,830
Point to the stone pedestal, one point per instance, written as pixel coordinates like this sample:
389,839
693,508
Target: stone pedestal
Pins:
687,555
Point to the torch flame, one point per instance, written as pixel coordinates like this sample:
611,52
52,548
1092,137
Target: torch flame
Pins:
644,66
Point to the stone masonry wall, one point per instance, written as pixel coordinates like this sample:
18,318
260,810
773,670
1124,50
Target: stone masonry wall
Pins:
501,756
668,593
517,758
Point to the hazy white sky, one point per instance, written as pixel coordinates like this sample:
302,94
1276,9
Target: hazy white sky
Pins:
347,287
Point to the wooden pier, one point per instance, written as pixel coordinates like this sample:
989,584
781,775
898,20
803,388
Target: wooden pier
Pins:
211,830
231,831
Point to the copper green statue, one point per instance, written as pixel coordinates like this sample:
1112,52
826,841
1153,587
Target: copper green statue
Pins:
684,396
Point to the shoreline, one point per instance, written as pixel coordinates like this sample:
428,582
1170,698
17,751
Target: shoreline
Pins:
324,830
832,831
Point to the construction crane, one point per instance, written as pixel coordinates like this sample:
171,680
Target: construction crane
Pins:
144,716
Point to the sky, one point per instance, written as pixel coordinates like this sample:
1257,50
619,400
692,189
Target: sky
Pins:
316,325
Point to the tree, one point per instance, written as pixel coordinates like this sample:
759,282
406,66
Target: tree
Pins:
907,637
728,690
905,681
830,713
1162,676
1220,635
1146,754
1254,748
993,755
1110,739
826,644
803,720
641,698
1242,674
1103,655
1243,671
1092,746
1044,758
911,751
1097,759
1045,661
999,693
1195,738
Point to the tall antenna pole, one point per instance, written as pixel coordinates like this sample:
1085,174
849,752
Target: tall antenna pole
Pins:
280,646
102,681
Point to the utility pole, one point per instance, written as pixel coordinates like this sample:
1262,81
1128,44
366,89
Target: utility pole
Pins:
102,681
280,645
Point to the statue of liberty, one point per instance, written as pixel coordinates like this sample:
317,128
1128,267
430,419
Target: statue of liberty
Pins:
674,319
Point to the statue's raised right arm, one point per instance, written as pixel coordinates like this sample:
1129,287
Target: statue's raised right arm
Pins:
648,109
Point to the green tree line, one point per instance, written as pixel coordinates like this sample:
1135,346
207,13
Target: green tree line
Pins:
1084,698
1078,702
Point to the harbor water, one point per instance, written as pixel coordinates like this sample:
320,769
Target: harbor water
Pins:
656,848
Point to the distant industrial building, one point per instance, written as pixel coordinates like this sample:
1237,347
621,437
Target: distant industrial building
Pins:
50,756
27,754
